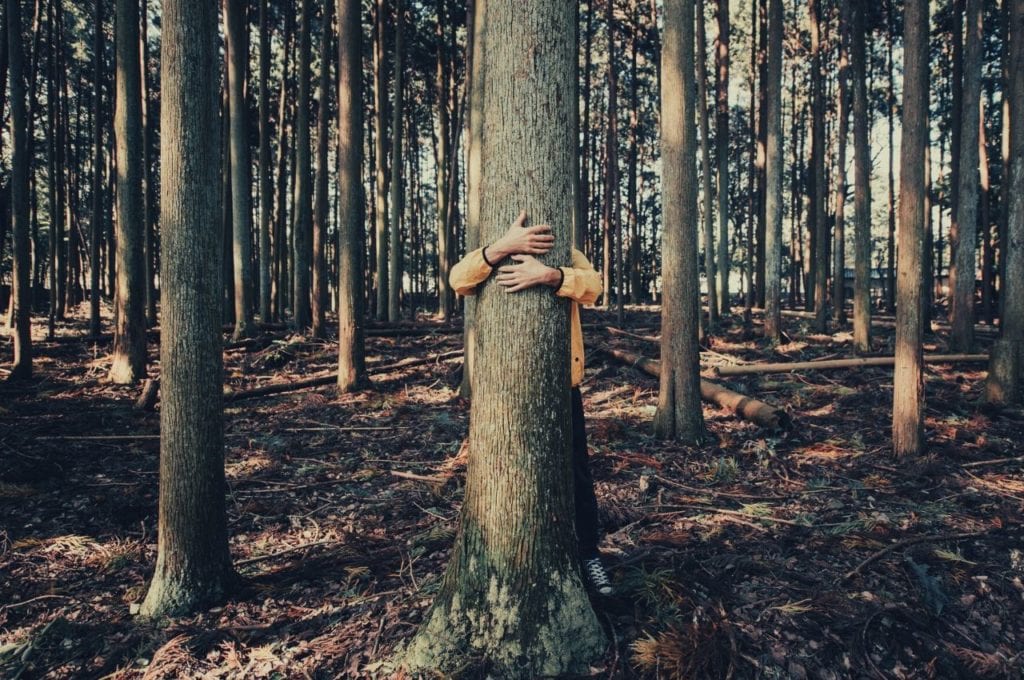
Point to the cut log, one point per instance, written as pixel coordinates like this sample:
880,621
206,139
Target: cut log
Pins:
831,364
747,408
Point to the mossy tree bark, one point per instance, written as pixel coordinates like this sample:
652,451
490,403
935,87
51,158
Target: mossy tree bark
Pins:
193,566
512,595
908,379
129,364
21,295
679,415
351,361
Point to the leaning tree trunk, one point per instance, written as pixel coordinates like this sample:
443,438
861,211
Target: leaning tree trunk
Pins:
237,34
705,165
193,565
774,171
722,154
679,415
129,364
351,362
908,379
963,284
862,186
1005,383
319,294
512,595
21,295
302,217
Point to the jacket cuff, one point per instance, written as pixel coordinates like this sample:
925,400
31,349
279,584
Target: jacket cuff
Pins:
565,285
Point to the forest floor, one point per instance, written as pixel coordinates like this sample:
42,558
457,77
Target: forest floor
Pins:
810,553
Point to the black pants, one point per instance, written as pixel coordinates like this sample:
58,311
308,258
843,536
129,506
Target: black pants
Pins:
583,483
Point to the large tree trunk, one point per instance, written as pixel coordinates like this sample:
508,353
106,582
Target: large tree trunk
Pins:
236,31
1005,383
351,362
193,566
21,295
319,293
96,227
817,193
266,187
963,276
512,594
862,185
302,217
774,170
908,381
679,415
705,164
722,154
129,363
397,198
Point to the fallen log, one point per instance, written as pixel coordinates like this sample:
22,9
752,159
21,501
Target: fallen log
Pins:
331,378
830,364
747,408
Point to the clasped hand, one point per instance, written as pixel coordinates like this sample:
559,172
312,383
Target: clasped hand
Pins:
522,243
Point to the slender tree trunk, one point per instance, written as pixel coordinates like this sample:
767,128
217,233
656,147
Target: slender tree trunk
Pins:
760,273
862,185
754,168
129,362
984,198
397,197
476,82
908,380
380,162
512,593
96,227
843,127
722,154
1005,382
612,226
302,217
52,152
819,224
679,415
705,159
21,295
963,283
774,171
265,182
319,294
443,147
956,118
351,362
282,282
890,273
149,246
193,566
633,160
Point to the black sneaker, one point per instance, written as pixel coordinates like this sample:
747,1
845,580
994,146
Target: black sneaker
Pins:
596,576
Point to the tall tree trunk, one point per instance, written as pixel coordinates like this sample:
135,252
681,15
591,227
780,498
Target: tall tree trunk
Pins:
862,185
774,170
760,273
633,159
963,277
302,217
518,477
754,168
129,362
21,295
705,161
476,81
612,224
319,294
908,380
843,127
984,199
149,245
818,222
96,228
582,228
679,415
380,162
443,147
266,187
397,202
193,565
956,118
282,282
1005,382
54,165
722,154
351,361
890,273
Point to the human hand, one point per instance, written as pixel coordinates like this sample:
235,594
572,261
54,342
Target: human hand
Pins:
519,239
529,272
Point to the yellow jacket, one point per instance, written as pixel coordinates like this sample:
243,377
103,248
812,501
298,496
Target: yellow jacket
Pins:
581,284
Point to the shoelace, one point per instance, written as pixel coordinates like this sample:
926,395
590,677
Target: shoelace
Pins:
598,576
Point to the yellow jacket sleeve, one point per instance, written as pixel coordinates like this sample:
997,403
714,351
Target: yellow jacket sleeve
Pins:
581,282
469,272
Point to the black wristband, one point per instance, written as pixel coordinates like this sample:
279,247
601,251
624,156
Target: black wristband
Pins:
483,252
561,279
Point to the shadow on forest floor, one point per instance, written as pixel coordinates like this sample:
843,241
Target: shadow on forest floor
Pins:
759,555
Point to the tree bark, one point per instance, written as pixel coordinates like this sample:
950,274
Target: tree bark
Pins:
908,381
477,79
319,293
129,362
843,127
193,566
21,295
817,193
512,593
380,163
302,217
266,187
862,185
774,170
722,154
96,227
397,197
705,160
679,415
